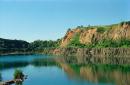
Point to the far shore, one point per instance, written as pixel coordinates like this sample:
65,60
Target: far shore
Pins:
16,53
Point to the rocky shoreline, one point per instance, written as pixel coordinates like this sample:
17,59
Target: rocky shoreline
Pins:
93,55
85,55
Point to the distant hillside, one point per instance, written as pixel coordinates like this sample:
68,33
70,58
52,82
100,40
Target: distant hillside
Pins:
10,45
116,35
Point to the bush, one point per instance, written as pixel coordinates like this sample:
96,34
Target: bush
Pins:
113,43
125,22
101,29
122,23
75,41
18,74
105,43
128,22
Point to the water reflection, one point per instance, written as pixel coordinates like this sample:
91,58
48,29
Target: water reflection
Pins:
0,77
97,73
9,65
115,74
103,73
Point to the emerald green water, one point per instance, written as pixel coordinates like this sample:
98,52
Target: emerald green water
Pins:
42,71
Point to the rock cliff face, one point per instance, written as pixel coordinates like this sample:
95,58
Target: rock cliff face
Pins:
69,35
91,34
95,55
118,32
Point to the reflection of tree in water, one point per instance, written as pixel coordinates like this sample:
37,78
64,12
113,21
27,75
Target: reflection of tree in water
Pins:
36,62
44,62
0,77
7,65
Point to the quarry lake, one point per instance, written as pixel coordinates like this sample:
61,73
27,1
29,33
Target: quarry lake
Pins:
45,70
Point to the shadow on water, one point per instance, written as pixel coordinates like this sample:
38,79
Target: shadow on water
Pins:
96,73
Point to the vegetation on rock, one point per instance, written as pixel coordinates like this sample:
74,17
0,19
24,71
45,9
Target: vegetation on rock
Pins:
100,36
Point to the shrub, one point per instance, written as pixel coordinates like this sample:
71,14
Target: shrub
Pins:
128,22
125,22
18,74
113,43
75,40
122,23
101,29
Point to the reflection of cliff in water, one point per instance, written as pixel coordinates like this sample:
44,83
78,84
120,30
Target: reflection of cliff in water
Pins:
118,75
95,56
101,68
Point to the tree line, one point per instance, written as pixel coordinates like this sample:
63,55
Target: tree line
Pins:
7,45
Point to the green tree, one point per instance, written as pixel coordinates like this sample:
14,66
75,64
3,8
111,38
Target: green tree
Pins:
40,45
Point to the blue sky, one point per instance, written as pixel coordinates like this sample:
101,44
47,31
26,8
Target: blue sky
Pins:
49,19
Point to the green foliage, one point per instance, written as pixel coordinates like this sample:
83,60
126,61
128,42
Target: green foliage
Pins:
113,43
14,44
122,23
7,45
101,67
69,29
101,29
125,22
76,68
124,43
104,43
6,65
80,26
75,41
44,62
18,74
128,22
39,44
